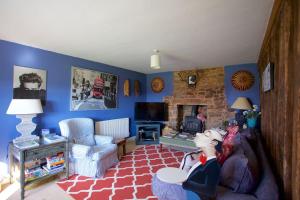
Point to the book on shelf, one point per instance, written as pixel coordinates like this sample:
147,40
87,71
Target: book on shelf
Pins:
52,138
55,161
32,164
55,170
31,174
56,164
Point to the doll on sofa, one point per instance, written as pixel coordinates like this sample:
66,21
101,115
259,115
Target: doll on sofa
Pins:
197,176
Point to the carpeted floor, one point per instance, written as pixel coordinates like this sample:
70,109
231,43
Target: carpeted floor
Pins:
130,179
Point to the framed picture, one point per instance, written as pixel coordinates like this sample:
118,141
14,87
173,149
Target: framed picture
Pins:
29,83
192,80
92,90
268,77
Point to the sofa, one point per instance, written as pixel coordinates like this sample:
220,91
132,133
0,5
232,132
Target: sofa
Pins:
246,174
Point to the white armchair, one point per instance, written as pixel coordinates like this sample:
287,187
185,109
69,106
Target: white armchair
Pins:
90,155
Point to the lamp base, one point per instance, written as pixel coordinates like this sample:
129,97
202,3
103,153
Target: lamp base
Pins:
240,118
26,127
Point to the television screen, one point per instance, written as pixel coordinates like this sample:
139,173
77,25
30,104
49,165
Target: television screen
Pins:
154,111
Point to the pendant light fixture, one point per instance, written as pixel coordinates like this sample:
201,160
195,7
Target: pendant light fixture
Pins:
155,60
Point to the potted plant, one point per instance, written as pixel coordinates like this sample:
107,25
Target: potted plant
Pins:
251,116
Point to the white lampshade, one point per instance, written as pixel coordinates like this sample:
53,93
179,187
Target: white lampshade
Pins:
155,60
241,103
24,107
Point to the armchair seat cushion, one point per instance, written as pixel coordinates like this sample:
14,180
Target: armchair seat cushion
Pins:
102,151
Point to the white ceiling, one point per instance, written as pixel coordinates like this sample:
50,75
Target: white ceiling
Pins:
123,33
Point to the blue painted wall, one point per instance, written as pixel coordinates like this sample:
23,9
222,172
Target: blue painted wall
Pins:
231,93
58,68
167,91
57,107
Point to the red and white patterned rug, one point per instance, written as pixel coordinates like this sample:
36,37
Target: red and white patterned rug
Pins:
131,178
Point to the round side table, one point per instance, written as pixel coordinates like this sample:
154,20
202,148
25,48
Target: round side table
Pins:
172,175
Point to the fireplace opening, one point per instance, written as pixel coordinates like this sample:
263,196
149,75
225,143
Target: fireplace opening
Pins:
191,118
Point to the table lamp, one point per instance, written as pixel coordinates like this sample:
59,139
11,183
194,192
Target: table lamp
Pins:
241,103
25,109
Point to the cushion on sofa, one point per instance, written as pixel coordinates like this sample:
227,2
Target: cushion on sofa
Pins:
252,175
233,169
251,137
228,144
240,171
232,131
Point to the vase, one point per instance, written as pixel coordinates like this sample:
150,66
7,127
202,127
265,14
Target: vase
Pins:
251,122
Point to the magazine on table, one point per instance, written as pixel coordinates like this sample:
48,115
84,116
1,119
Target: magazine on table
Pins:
26,144
52,138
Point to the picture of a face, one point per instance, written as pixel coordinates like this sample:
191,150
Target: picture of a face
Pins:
29,83
31,86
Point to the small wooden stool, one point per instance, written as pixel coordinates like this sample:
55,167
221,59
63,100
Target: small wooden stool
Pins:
121,142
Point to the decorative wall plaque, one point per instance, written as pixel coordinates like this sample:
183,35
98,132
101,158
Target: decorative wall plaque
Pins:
157,84
190,77
126,88
137,88
242,80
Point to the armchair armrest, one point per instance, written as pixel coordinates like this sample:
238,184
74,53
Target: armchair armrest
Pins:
80,151
101,139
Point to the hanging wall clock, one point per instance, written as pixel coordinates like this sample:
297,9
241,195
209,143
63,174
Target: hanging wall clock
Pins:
157,84
242,80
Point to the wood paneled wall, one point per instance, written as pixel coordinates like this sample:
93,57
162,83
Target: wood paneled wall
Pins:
281,106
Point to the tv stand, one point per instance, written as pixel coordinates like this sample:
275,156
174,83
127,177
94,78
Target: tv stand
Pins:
147,133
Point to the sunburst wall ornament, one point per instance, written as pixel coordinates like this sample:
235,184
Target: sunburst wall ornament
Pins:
242,80
157,84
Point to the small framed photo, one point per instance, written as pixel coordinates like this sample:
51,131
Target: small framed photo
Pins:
268,77
192,80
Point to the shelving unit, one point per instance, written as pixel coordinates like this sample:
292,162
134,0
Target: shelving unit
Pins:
148,133
18,157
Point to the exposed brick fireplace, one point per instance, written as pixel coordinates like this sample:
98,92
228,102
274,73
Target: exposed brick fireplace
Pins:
209,92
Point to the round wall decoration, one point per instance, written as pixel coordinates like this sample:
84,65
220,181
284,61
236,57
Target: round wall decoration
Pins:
157,84
242,80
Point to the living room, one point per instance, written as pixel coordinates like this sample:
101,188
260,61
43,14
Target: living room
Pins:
149,86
